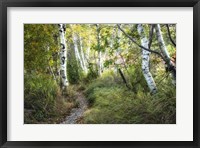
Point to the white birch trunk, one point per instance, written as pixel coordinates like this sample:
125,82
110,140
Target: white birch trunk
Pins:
83,56
145,61
88,46
63,56
77,55
165,53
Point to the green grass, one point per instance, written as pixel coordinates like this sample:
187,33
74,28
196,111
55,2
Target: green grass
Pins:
112,103
43,102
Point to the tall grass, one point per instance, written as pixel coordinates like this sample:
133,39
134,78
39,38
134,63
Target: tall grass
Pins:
112,103
43,102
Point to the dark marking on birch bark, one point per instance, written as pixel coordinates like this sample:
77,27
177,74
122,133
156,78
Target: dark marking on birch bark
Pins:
63,60
60,30
62,46
64,27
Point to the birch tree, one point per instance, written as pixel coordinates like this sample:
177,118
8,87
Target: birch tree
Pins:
89,43
99,50
63,56
82,55
169,63
77,54
145,60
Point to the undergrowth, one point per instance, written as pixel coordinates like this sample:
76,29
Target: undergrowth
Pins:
43,102
111,102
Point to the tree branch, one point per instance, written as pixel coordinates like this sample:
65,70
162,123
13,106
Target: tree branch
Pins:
151,36
169,34
134,41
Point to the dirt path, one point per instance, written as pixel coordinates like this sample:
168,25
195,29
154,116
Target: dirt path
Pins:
76,113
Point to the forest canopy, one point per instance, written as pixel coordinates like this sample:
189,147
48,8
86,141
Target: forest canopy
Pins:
100,73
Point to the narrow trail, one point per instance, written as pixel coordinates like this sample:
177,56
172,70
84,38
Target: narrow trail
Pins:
77,113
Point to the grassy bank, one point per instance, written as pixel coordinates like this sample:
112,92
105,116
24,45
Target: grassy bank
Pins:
43,102
112,103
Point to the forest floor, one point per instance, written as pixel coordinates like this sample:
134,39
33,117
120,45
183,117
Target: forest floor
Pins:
77,113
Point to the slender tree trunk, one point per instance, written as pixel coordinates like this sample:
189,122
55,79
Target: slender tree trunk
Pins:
77,54
88,46
151,30
112,40
170,37
117,51
63,56
145,60
82,55
121,58
123,78
99,51
169,63
99,63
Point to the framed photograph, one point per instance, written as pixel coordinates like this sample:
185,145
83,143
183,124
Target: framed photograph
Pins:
99,73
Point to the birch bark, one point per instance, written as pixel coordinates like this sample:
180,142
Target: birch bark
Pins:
169,63
145,61
83,55
77,54
63,56
89,44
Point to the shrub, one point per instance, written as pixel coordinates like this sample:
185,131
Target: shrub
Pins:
74,72
92,73
40,93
